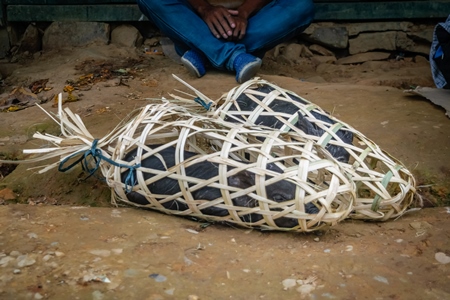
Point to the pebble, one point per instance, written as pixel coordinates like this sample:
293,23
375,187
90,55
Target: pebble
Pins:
117,251
442,258
97,295
53,265
32,235
170,291
15,253
327,250
59,253
381,279
17,271
158,277
399,240
25,261
5,260
38,296
305,289
46,257
316,239
104,253
349,248
193,297
289,283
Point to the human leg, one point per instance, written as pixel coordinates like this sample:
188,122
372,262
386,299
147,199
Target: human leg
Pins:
278,21
177,20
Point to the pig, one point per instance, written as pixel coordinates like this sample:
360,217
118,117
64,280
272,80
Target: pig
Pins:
246,104
280,191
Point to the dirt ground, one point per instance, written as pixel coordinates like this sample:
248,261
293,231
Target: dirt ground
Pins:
65,241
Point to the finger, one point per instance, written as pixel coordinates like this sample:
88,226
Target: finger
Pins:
218,26
213,30
223,26
242,33
233,12
230,20
239,31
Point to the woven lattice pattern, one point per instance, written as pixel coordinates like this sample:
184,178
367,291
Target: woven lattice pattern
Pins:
384,187
193,165
260,156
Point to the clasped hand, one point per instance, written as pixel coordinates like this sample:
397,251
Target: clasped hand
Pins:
225,23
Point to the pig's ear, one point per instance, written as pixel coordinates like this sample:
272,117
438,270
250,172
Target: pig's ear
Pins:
242,180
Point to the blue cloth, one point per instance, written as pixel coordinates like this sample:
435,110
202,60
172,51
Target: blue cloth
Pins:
436,52
276,22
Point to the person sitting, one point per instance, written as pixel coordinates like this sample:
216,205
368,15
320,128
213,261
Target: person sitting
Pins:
230,35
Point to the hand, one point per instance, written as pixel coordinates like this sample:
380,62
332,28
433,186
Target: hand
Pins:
220,20
240,28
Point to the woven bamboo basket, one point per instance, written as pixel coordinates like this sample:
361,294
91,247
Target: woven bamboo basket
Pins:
169,159
384,187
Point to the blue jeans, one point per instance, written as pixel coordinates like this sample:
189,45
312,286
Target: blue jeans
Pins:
275,23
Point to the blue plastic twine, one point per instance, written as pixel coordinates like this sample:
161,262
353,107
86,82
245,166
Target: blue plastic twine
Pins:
96,154
203,103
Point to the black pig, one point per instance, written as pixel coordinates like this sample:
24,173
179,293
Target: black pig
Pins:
280,191
246,104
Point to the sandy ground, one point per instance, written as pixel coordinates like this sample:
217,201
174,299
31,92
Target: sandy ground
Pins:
147,255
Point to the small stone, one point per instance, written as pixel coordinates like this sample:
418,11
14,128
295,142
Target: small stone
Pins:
59,253
117,251
420,225
316,239
38,296
442,258
25,261
170,291
97,295
327,250
46,257
193,297
158,277
17,271
381,279
399,240
53,265
32,235
306,289
103,253
289,283
5,260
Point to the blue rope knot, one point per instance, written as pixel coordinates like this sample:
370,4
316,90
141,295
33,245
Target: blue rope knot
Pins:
96,155
203,103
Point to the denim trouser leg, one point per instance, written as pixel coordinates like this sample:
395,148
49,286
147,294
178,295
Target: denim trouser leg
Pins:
177,20
276,22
